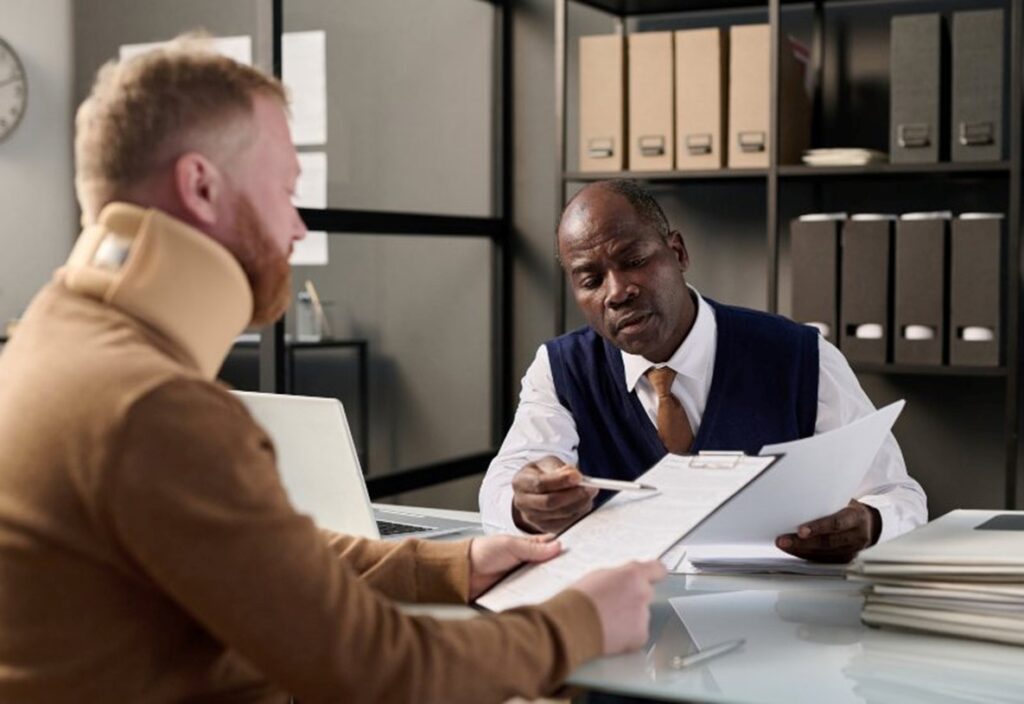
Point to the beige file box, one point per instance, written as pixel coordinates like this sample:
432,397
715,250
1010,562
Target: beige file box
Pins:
602,103
749,85
702,69
749,100
651,102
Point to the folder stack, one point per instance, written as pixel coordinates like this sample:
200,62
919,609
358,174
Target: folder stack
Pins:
960,575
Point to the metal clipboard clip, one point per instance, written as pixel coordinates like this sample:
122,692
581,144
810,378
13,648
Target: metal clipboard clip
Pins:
711,459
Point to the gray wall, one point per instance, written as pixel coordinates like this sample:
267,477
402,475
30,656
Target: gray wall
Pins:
36,188
411,91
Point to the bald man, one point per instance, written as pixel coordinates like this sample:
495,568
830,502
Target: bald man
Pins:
659,368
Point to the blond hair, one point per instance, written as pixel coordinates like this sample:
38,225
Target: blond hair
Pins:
150,109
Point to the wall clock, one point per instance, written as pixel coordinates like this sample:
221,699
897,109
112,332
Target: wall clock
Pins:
13,90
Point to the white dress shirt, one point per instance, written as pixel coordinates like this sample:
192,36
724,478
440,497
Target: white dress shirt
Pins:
542,426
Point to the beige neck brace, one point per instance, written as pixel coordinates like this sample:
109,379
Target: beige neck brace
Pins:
168,275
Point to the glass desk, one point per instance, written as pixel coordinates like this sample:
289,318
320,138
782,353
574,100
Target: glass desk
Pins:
804,643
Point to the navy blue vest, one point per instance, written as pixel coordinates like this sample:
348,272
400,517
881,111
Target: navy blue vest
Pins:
764,390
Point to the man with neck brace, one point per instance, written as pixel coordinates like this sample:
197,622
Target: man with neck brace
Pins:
147,547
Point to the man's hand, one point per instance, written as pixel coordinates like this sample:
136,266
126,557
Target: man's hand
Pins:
622,596
492,557
835,538
547,496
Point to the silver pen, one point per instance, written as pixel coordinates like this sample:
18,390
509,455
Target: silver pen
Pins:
615,484
681,661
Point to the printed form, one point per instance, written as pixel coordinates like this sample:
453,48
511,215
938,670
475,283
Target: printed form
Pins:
632,525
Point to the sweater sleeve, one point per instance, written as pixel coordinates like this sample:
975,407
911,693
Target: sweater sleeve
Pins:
410,570
194,498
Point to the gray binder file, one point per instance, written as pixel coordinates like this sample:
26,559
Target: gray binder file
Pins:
976,284
916,112
976,124
865,288
919,289
814,248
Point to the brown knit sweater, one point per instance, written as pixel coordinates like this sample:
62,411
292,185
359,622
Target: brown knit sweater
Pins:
148,551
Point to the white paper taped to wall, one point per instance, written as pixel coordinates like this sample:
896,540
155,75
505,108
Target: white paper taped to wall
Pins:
311,192
238,48
304,73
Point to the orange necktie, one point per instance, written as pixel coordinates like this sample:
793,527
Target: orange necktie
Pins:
673,425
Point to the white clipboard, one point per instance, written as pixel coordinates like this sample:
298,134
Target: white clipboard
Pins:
633,525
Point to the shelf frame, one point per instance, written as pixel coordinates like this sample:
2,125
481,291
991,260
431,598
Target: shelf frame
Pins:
776,175
1012,324
930,370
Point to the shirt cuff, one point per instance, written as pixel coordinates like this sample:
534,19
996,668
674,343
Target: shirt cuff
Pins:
507,524
890,521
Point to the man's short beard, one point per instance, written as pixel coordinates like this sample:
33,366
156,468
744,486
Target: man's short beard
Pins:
268,271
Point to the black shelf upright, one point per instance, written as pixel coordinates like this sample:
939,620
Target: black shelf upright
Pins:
497,229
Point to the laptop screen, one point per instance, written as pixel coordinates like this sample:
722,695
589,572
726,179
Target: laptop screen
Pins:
316,459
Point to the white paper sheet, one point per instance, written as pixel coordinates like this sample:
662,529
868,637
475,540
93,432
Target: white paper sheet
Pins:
631,526
311,192
815,477
304,73
238,48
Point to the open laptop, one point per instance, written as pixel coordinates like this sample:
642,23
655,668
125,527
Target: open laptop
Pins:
319,467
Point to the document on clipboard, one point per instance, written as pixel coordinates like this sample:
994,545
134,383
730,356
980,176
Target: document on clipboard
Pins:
632,525
816,477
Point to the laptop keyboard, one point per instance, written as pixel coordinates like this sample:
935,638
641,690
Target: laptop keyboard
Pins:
388,528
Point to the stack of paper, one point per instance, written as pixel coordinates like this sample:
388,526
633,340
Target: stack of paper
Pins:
929,670
844,157
751,559
961,575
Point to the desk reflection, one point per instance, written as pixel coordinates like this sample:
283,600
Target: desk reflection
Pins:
804,643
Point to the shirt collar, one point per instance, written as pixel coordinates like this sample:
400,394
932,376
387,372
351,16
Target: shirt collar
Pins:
691,359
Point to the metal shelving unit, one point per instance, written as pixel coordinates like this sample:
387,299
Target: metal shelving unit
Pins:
498,229
778,176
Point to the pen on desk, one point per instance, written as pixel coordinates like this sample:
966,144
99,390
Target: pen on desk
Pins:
615,484
681,661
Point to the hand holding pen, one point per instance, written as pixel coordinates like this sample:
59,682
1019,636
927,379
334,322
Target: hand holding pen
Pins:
548,495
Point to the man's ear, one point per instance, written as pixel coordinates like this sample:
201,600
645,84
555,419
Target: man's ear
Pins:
199,185
675,242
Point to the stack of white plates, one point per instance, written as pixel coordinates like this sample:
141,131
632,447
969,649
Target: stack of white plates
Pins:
844,157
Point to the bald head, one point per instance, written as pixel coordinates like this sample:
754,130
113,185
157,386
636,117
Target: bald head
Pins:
639,198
